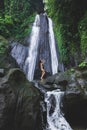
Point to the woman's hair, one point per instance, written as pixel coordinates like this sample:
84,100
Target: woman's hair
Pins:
42,60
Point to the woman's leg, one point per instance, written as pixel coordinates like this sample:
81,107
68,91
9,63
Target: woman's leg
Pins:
43,73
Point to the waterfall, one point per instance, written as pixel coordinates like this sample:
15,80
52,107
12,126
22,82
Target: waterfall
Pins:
54,59
55,119
32,52
41,46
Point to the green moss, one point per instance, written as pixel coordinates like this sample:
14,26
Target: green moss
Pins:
67,15
17,18
72,69
22,30
83,64
83,35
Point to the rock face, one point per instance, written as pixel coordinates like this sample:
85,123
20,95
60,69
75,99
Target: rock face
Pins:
44,47
19,53
73,82
19,103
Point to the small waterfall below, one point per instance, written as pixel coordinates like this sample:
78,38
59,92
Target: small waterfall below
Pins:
55,119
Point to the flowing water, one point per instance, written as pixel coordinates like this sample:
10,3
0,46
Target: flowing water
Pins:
55,119
32,52
47,47
42,45
54,59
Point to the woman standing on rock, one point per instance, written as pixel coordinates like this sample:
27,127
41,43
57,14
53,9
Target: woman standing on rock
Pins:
42,68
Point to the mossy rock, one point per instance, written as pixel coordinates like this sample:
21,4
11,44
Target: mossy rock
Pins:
20,101
18,80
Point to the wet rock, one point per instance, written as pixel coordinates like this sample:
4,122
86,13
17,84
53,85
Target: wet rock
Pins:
50,80
19,103
74,83
57,81
19,53
1,72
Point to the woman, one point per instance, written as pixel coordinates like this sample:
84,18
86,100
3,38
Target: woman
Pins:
42,68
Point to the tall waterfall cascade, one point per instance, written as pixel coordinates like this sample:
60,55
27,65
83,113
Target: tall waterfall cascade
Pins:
32,51
55,118
54,58
30,62
42,45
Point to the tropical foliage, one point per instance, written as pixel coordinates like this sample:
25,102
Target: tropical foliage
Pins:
70,24
70,18
16,17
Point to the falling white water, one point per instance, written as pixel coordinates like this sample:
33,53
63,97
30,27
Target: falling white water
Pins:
19,52
54,58
32,54
55,120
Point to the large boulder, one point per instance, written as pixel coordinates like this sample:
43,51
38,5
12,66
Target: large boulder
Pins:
73,82
19,102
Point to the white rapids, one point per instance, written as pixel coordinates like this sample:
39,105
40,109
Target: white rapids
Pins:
32,52
33,49
52,44
29,63
55,120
